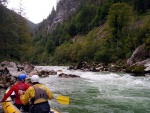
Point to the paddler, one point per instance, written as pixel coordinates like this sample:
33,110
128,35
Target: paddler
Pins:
38,94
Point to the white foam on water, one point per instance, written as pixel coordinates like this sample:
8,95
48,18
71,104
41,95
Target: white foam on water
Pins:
112,89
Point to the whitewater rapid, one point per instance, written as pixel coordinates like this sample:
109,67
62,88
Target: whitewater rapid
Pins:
100,92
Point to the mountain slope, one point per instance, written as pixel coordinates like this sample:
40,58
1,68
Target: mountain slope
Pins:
15,37
93,30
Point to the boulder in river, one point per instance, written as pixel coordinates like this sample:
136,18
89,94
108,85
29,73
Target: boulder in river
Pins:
63,75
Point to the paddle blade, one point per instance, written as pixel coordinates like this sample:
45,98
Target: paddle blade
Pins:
62,99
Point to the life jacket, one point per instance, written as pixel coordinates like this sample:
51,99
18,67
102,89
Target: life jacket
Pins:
40,96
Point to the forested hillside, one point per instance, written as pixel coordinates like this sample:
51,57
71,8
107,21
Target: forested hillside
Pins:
78,30
96,31
15,37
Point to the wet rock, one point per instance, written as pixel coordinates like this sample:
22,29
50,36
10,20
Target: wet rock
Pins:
138,55
28,67
34,72
63,75
10,70
97,67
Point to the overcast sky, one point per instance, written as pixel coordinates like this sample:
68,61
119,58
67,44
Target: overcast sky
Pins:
35,10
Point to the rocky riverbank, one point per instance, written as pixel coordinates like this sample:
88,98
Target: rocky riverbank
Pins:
10,70
138,64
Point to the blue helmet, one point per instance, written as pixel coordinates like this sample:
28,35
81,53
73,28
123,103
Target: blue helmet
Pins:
21,76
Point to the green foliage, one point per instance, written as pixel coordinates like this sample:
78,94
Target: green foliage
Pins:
14,37
86,53
102,56
74,52
50,47
118,17
62,53
118,20
83,18
53,14
72,29
144,32
82,38
105,9
136,69
141,6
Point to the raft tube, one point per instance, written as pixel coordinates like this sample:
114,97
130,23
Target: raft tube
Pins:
9,107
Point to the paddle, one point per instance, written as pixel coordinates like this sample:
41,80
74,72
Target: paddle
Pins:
62,99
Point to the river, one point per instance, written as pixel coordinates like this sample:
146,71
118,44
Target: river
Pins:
98,92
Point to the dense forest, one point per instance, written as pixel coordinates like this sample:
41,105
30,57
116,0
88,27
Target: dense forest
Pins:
15,37
98,31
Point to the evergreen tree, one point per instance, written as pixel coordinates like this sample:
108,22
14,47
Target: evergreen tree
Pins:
118,19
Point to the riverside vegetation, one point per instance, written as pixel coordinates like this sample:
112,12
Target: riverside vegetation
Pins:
104,31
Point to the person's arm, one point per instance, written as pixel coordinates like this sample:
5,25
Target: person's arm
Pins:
6,95
27,95
49,93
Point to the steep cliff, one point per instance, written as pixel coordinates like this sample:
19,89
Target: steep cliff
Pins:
64,10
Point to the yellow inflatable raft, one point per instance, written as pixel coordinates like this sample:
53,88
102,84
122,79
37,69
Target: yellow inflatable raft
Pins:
8,107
